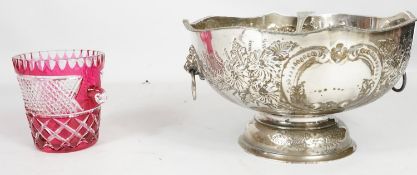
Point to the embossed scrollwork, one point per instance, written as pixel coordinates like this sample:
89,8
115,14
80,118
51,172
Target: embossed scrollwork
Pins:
272,79
282,77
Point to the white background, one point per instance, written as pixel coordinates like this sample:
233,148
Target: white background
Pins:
144,39
156,128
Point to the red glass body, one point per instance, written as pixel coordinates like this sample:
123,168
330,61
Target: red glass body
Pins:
60,91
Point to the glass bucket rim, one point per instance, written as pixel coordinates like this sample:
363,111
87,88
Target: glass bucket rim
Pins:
22,56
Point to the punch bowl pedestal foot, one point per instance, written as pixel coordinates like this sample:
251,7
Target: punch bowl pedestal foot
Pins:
297,141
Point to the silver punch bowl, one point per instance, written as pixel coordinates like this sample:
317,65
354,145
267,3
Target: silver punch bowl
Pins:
296,72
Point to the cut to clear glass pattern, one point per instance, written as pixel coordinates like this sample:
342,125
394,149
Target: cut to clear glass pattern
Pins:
60,89
65,134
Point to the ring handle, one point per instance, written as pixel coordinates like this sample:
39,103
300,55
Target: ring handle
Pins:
404,82
191,66
98,94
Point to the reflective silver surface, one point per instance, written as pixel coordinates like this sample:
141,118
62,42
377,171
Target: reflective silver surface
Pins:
298,70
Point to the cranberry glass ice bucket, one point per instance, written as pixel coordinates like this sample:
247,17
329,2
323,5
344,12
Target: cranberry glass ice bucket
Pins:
62,95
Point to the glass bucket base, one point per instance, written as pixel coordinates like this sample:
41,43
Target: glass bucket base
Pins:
65,134
311,140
